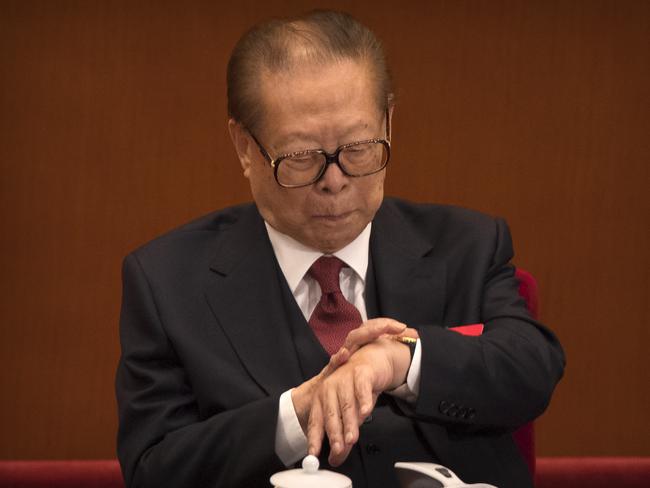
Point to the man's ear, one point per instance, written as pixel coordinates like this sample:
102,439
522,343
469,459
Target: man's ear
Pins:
389,121
242,142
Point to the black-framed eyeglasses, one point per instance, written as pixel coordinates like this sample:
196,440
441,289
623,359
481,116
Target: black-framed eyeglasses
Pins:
355,159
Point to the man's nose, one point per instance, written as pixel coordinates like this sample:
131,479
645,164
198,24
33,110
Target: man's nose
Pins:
333,180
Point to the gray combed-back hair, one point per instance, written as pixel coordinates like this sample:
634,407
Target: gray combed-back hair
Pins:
279,46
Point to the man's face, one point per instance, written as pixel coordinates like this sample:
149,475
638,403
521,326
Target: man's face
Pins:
317,108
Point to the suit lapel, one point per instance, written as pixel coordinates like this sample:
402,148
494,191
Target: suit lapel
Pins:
246,300
409,280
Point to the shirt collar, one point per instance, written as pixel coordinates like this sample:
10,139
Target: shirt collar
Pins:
295,258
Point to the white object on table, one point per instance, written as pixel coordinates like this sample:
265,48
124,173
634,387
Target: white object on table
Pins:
430,475
310,477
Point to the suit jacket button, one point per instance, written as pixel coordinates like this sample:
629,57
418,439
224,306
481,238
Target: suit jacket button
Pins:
471,413
372,449
443,407
462,412
453,410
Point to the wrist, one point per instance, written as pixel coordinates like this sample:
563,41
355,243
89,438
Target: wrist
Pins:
401,356
411,342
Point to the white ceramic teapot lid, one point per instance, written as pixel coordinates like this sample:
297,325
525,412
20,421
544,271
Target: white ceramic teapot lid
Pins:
310,477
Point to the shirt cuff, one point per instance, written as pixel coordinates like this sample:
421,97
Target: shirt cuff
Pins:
290,441
410,390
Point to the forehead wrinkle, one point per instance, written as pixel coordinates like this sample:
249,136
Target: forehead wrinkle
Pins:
322,119
305,65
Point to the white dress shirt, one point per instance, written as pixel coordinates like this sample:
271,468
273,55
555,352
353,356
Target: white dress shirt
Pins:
295,259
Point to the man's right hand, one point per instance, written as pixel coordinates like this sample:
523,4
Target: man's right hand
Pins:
371,330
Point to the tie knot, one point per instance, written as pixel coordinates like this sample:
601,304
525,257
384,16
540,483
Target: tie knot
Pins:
326,271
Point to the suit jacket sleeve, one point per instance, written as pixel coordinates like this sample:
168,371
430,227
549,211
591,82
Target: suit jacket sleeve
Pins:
501,379
163,439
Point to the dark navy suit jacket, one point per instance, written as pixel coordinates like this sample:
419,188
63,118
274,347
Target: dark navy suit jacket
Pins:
211,337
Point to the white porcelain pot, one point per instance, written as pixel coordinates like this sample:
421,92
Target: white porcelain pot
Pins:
310,477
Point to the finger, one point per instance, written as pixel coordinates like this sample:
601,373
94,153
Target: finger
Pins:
339,359
371,331
363,391
386,326
349,414
315,432
338,459
333,424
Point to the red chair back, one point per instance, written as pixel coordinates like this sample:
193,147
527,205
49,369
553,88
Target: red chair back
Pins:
525,436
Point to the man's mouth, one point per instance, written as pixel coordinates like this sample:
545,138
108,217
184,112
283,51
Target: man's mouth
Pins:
332,217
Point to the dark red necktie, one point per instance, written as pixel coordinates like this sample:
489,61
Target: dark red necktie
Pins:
333,316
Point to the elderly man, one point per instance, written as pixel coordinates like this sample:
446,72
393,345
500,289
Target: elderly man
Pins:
317,320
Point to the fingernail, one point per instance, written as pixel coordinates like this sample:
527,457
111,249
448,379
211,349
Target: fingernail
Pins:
336,447
349,437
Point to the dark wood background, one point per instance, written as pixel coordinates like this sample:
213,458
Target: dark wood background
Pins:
113,130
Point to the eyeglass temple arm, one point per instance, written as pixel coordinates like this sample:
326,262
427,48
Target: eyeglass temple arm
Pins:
388,126
266,155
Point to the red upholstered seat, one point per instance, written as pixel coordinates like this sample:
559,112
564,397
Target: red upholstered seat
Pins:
61,474
593,472
563,472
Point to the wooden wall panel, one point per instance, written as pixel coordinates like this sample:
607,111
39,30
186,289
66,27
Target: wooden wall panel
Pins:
113,130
